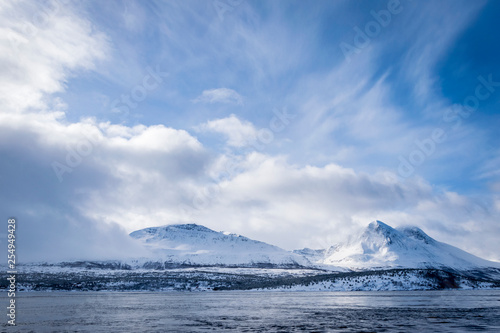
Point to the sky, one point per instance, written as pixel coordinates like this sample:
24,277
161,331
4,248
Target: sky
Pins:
295,123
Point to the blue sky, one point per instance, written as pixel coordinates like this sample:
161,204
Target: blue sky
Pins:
267,52
289,122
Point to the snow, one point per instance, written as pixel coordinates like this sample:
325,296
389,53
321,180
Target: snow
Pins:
193,257
386,282
381,246
197,245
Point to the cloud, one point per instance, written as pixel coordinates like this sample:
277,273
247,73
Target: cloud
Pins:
84,171
41,45
103,179
220,95
308,206
367,113
111,179
96,180
238,133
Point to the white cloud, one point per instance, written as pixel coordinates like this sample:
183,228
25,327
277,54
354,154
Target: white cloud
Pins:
238,133
220,95
291,206
130,177
105,168
41,45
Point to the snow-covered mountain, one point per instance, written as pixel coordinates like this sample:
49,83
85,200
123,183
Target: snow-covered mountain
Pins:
192,244
379,258
381,246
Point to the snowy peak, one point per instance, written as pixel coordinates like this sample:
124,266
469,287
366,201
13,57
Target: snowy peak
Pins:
194,244
378,246
165,230
378,230
379,234
377,239
381,246
417,234
379,227
173,231
192,236
187,227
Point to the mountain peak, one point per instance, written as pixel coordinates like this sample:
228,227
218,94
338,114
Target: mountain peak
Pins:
191,226
379,230
417,234
194,244
380,245
379,226
170,228
378,222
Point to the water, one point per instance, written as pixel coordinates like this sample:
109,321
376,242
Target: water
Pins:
429,311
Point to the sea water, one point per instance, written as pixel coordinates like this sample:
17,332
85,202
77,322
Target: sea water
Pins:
395,311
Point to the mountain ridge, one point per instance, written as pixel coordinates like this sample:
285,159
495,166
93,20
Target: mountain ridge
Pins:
194,244
378,246
193,257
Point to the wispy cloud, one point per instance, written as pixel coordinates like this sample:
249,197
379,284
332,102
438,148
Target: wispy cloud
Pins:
38,56
220,95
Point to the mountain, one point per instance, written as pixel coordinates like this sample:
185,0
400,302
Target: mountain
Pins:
196,245
380,246
193,257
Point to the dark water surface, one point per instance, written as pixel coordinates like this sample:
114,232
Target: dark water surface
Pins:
397,311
